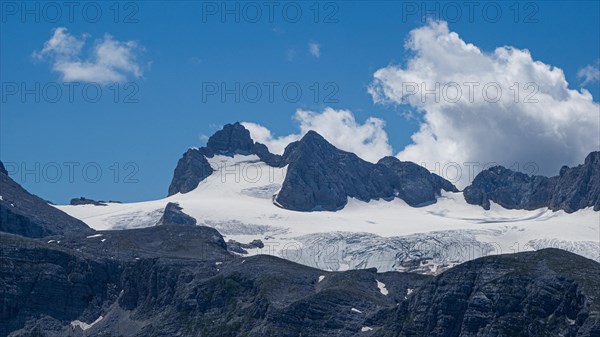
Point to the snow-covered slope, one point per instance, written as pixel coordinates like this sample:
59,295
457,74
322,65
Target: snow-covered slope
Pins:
237,200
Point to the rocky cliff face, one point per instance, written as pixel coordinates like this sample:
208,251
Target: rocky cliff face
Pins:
26,214
573,189
322,177
544,293
578,187
191,169
181,281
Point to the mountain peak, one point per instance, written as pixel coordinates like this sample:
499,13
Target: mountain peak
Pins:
313,137
312,134
232,139
573,189
322,177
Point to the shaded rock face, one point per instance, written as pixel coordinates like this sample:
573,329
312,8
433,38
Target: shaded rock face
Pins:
544,293
181,281
414,183
574,189
85,201
52,284
191,169
322,177
47,285
25,214
173,215
578,187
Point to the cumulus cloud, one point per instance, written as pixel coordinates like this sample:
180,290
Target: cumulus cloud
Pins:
500,107
110,61
368,140
589,74
314,48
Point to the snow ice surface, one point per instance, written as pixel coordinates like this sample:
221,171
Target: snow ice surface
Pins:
238,200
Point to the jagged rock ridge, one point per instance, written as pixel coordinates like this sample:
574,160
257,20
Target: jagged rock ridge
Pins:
322,177
573,189
319,175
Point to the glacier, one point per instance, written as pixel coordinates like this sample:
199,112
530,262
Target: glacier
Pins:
237,199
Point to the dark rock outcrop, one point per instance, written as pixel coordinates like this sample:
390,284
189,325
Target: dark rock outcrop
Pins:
414,183
191,169
173,215
322,177
573,189
85,201
240,248
545,293
25,214
45,286
181,281
578,187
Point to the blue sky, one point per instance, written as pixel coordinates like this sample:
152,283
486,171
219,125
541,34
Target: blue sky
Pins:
183,47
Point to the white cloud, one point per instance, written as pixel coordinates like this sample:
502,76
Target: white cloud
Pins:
589,74
314,48
368,140
111,60
559,126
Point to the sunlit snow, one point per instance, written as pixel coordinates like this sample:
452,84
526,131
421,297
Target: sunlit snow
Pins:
387,235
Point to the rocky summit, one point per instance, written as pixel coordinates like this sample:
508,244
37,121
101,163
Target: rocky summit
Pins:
233,139
320,177
573,189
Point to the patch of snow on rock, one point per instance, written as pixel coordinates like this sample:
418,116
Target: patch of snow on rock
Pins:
382,289
84,326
